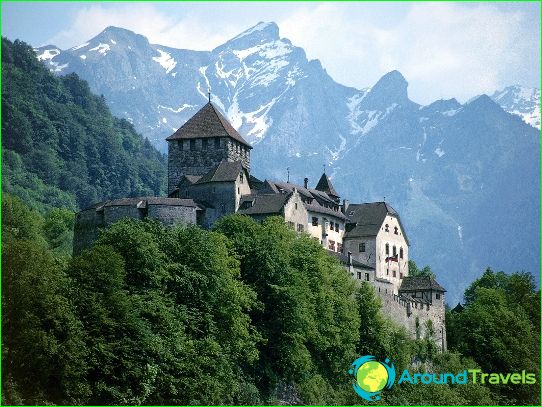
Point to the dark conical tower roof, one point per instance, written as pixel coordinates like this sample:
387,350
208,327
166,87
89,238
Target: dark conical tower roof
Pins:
326,186
206,123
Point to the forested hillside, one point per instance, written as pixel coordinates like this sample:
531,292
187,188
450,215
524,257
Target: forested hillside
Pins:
61,147
248,313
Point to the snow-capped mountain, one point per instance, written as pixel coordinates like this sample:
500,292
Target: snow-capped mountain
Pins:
522,101
464,177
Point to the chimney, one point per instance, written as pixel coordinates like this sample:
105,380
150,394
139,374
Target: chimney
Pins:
345,205
349,258
306,182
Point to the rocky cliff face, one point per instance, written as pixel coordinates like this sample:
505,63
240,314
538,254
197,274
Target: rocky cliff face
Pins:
464,177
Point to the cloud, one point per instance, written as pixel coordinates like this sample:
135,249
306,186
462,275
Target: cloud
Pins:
443,49
188,31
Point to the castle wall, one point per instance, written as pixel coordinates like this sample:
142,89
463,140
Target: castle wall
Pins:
368,257
89,221
392,271
171,215
324,227
295,212
220,195
238,152
409,314
182,160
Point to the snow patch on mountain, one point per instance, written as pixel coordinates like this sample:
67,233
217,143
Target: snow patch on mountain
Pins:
439,151
101,48
165,60
521,101
48,54
79,46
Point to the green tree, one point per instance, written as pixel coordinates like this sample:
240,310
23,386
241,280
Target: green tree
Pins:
43,354
414,271
308,319
500,338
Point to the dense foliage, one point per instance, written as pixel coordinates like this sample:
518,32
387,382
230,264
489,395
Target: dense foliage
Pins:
500,329
61,147
247,313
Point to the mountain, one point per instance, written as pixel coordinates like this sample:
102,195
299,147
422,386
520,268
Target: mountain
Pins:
522,101
61,147
463,176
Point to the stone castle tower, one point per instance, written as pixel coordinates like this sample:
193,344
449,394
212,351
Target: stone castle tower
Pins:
202,143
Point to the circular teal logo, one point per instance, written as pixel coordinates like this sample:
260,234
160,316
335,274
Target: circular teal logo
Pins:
372,376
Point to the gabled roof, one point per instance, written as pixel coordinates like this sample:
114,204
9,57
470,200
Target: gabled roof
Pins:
192,178
367,218
226,171
264,204
325,211
325,185
421,283
207,122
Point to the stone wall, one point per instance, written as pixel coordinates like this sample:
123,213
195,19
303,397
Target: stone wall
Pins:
413,315
189,157
219,197
199,156
238,152
89,221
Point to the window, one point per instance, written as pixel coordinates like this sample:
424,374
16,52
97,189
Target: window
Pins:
437,296
204,143
387,228
396,230
394,251
387,249
394,273
314,221
362,247
300,227
331,245
217,143
192,145
238,191
388,272
401,275
366,276
336,227
359,275
291,224
331,225
401,252
339,247
241,177
296,206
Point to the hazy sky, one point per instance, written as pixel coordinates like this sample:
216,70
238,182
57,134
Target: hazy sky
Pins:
443,49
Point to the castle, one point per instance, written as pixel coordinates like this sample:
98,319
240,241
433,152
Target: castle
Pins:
209,177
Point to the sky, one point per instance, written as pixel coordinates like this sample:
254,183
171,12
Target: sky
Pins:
443,49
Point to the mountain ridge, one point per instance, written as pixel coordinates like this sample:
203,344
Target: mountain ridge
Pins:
436,163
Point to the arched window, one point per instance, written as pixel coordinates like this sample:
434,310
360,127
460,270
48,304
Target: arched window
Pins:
394,251
401,252
396,230
387,228
387,248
